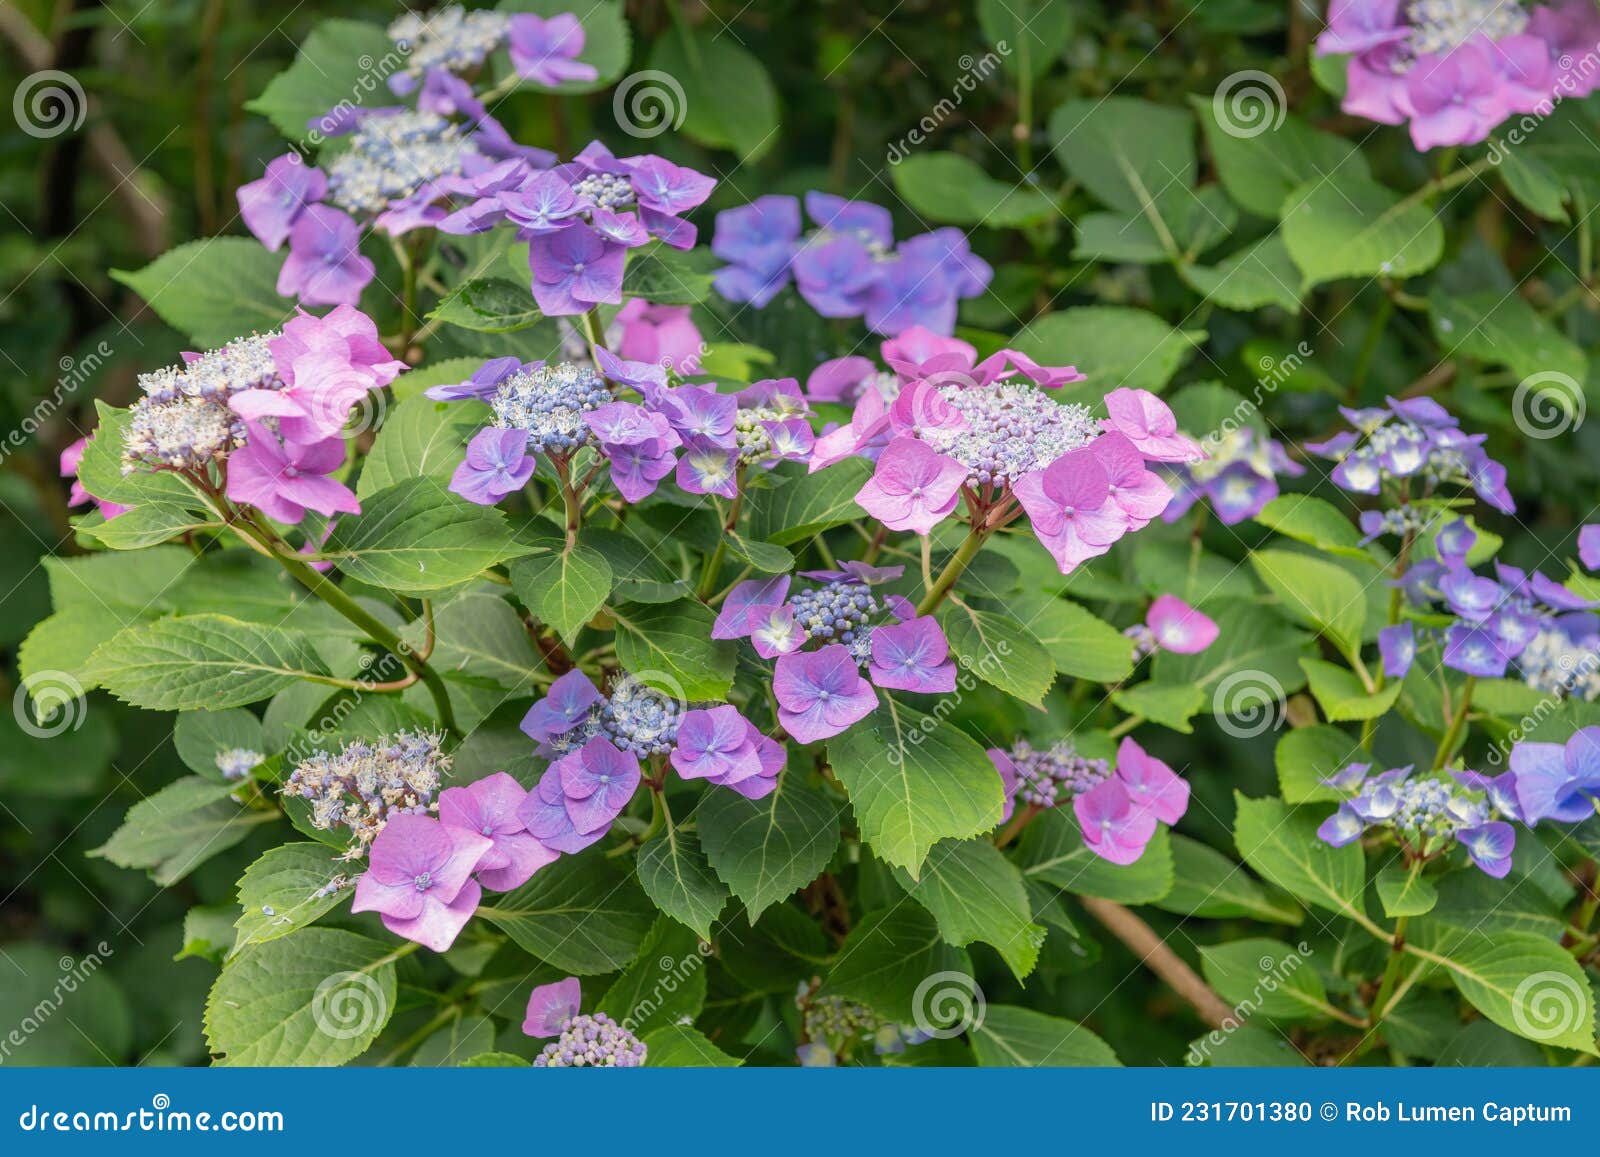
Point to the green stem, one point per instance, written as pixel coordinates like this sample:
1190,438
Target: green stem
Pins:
953,570
708,580
330,593
595,331
1126,726
1369,347
569,500
1458,723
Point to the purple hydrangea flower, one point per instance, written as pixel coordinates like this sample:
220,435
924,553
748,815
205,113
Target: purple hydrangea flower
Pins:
598,780
544,813
550,1006
574,269
912,656
716,743
1114,827
325,265
1398,647
497,463
489,807
820,693
1559,782
283,480
1151,784
270,206
912,487
566,704
419,878
546,51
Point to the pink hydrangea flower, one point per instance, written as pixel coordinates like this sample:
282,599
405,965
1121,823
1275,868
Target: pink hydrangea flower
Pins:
1151,784
1070,506
1147,422
1113,827
664,335
913,488
1178,627
419,878
489,808
284,479
550,1006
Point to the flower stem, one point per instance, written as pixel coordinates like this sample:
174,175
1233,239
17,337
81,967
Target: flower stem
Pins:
595,332
1458,724
952,571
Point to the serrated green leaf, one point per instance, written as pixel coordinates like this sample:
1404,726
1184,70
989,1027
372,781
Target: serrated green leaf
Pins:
415,537
1023,1038
913,781
1316,593
895,963
677,877
420,438
174,831
1347,225
318,998
1341,694
1000,651
565,589
488,305
282,892
580,914
765,849
1405,893
669,646
975,893
1282,845
213,290
665,984
210,661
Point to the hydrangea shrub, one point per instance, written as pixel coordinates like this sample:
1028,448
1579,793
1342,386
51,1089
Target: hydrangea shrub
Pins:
596,687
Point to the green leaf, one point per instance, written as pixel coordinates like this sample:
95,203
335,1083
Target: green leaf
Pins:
1000,651
1111,345
678,1046
565,590
665,984
335,66
420,438
318,998
675,874
464,1036
1254,655
723,97
171,833
975,893
666,276
1053,850
1207,883
1015,1037
1079,644
914,780
1343,696
488,305
147,524
767,557
208,932
1259,275
415,537
894,962
1169,704
1350,226
580,914
200,736
952,189
1405,893
1030,34
1268,978
282,892
669,646
1314,521
1282,845
1526,985
1261,171
765,849
1307,755
807,504
1317,593
1503,329
1127,152
211,661
481,638
213,290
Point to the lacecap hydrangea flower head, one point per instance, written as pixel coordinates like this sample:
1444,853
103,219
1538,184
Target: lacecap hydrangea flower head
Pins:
263,415
987,434
1452,70
1425,815
582,1040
